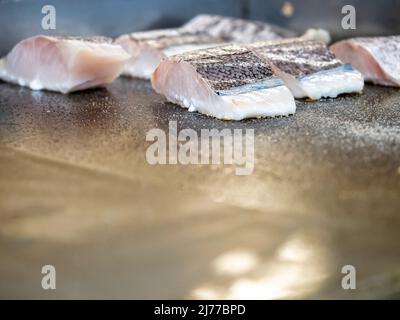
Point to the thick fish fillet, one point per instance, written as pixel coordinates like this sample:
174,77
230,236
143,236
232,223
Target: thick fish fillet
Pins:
228,82
308,68
63,64
377,58
149,47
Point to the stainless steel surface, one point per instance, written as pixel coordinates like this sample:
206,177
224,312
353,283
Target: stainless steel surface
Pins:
76,192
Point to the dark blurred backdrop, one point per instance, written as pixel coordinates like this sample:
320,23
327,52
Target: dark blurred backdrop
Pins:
22,18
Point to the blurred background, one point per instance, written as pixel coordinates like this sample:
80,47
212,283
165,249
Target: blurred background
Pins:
22,18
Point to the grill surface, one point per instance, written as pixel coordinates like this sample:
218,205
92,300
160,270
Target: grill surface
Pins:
77,192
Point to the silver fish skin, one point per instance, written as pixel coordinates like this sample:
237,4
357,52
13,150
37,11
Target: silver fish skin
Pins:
230,67
309,68
165,38
237,30
297,57
228,82
63,64
377,58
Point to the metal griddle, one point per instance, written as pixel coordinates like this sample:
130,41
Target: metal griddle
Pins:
76,192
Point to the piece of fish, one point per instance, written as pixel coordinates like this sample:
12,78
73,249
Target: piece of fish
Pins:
235,29
247,31
228,82
377,58
63,64
148,48
309,69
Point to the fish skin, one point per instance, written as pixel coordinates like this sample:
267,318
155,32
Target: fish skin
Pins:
228,67
297,57
235,29
63,63
89,39
378,58
164,38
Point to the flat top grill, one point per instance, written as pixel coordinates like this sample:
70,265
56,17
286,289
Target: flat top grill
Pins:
77,192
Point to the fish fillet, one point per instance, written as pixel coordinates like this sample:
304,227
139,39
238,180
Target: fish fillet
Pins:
247,31
236,30
148,48
377,58
63,64
228,82
308,68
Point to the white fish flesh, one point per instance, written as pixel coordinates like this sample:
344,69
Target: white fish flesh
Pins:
309,69
63,64
377,58
228,82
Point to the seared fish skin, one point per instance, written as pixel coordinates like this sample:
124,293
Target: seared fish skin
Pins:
148,48
228,82
309,68
63,64
377,58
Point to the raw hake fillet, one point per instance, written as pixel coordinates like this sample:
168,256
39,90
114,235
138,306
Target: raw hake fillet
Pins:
63,64
148,48
309,69
228,82
377,58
